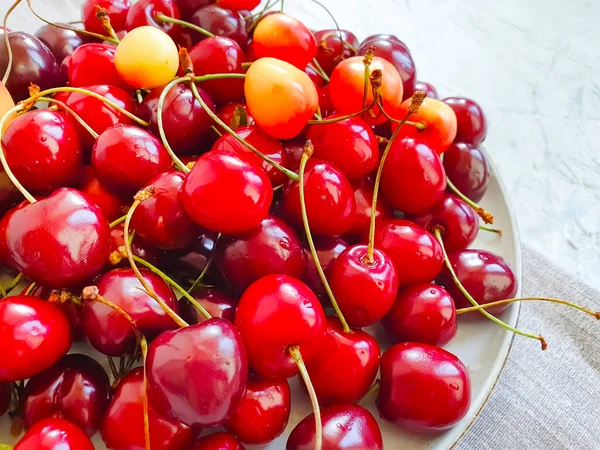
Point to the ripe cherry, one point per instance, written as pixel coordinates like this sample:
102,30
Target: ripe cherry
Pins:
76,389
35,336
363,195
328,249
428,88
187,8
43,150
226,193
61,42
92,64
144,13
340,422
218,303
197,374
54,434
422,313
471,122
334,46
221,22
218,441
191,261
423,388
117,11
413,177
109,203
467,168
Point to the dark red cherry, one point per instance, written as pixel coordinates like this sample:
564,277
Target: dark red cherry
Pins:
192,260
144,12
221,22
185,122
226,193
428,88
485,275
197,374
60,241
109,203
415,252
263,412
345,366
93,64
422,313
118,257
108,331
123,424
340,422
61,43
272,247
363,195
274,313
330,204
33,62
43,150
126,158
4,397
76,389
160,220
54,434
470,120
350,145
365,290
117,11
218,441
217,302
328,249
293,151
187,8
423,388
264,143
315,77
458,221
219,55
334,46
34,335
413,178
467,168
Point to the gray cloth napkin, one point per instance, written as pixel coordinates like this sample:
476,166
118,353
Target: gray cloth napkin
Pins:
547,400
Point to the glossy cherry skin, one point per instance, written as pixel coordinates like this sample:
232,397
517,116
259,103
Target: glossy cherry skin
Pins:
185,122
334,46
144,13
415,252
76,389
413,178
43,150
428,88
33,62
264,143
123,424
112,334
237,5
263,412
458,221
350,145
485,275
117,11
221,22
345,366
272,247
60,241
422,313
466,166
226,193
217,302
471,121
54,434
293,150
274,313
363,195
109,203
35,335
218,441
192,260
198,374
329,197
61,43
340,422
423,388
328,249
92,64
126,158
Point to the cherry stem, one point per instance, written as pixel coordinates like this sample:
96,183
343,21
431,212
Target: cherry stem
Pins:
7,42
258,16
340,37
485,216
30,289
320,70
372,390
368,58
469,297
13,284
295,353
6,447
595,314
246,65
104,18
340,118
308,150
490,229
206,267
160,17
118,221
145,404
76,116
113,367
3,293
337,25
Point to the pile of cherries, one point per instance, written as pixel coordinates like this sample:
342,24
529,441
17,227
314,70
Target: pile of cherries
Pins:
218,200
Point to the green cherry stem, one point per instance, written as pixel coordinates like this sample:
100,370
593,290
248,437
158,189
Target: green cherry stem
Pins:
76,116
507,301
485,216
118,221
206,267
340,118
258,16
368,58
13,284
166,19
490,229
3,293
469,297
30,289
113,367
320,70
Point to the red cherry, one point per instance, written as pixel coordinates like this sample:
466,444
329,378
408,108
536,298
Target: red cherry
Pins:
76,388
109,203
274,313
217,302
350,145
126,158
334,46
428,88
345,366
293,151
54,434
263,412
329,199
191,261
328,249
197,374
423,388
415,252
108,331
325,104
123,424
236,5
221,22
467,168
471,122
226,193
144,13
34,334
187,8
314,77
363,195
365,290
43,150
117,11
422,313
61,42
93,64
58,242
339,423
218,441
413,178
